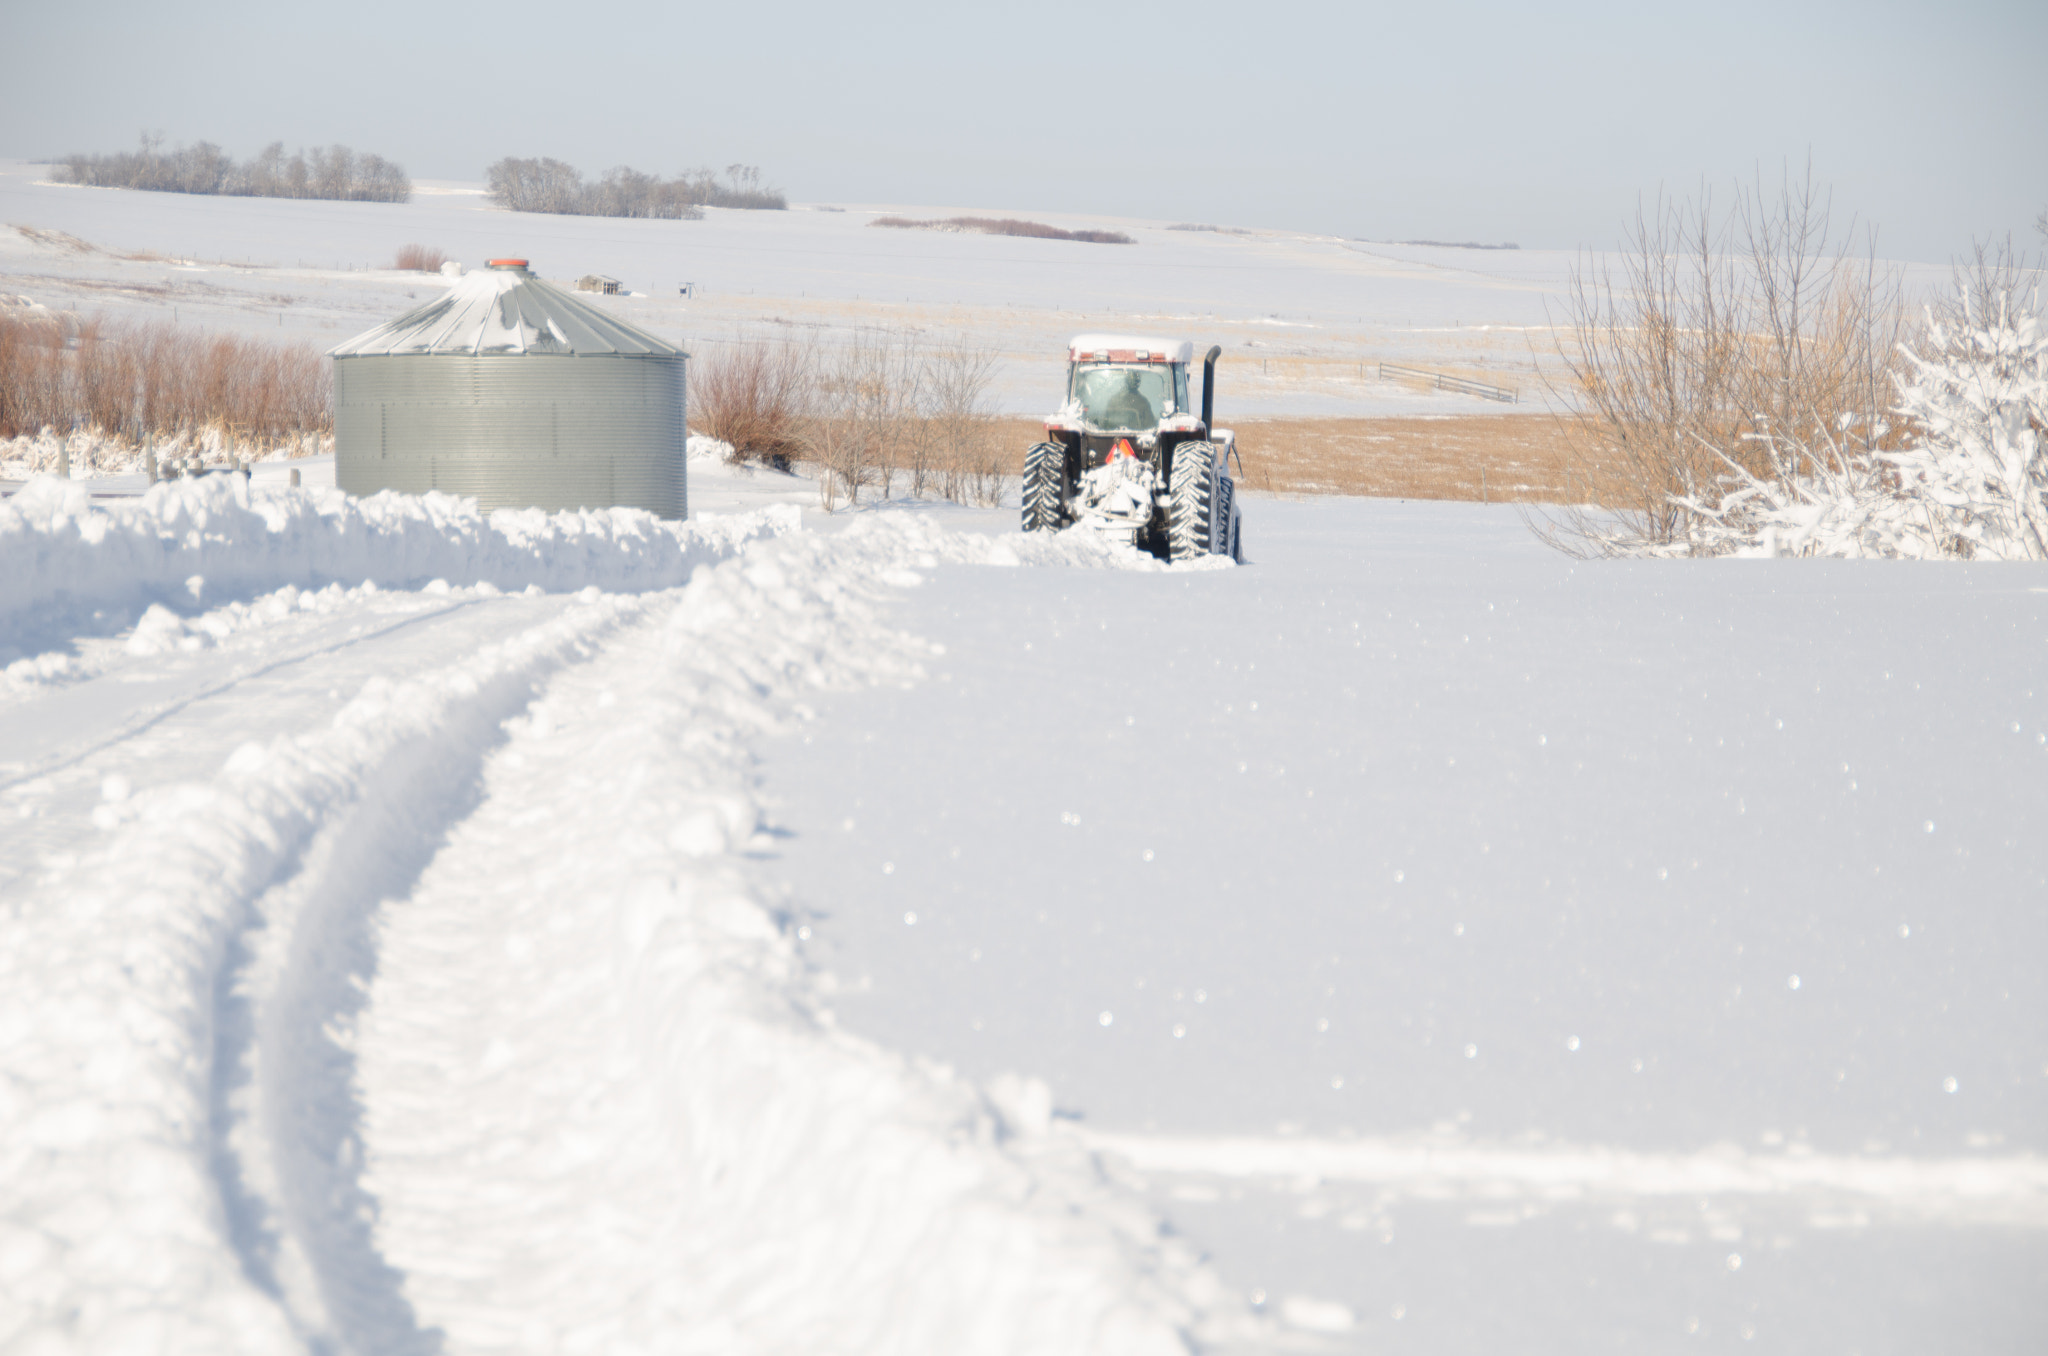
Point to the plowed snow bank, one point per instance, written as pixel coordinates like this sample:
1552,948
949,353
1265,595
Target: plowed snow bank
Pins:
73,567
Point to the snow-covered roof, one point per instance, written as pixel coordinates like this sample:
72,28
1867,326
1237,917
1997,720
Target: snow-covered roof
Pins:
1125,348
504,309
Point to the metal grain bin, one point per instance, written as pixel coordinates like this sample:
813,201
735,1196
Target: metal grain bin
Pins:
517,393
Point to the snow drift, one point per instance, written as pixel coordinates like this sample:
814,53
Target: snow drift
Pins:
75,567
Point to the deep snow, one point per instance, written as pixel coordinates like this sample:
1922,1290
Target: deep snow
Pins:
1495,944
911,936
251,1102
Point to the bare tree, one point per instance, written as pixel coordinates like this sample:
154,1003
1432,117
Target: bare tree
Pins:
867,398
1983,283
962,457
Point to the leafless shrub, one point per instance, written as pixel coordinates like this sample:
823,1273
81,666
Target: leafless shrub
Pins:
333,172
963,456
1751,337
891,406
883,412
143,383
545,185
866,399
419,259
757,397
1005,226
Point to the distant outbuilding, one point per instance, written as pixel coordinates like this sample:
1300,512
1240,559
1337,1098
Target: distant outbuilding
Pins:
597,282
511,390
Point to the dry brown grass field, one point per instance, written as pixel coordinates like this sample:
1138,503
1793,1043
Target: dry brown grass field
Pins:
1521,458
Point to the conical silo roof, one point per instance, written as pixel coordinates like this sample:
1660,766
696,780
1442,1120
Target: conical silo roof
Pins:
504,309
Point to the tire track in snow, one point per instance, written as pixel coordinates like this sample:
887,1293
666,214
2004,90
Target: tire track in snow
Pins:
2009,1189
140,722
111,1090
602,1109
116,1233
284,1091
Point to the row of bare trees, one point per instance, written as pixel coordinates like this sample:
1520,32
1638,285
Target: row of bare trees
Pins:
884,412
545,185
152,382
1721,352
331,172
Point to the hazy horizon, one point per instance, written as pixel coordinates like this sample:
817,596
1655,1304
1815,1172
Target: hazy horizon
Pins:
1488,125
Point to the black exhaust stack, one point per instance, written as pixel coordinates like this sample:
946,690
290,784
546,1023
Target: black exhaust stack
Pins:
1209,388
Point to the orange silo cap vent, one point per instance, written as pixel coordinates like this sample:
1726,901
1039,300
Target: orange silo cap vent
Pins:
506,263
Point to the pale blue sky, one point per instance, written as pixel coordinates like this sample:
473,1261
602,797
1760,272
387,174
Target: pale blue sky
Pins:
1481,121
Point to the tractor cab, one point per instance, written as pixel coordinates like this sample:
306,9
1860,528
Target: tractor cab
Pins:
1122,389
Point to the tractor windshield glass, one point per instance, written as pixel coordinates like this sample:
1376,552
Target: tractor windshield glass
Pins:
1123,397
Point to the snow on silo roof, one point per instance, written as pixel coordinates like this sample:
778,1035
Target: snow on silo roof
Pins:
504,309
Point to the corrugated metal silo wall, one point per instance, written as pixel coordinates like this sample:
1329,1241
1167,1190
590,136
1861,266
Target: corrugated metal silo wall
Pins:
535,431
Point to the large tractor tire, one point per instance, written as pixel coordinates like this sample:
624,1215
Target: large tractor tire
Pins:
1045,488
1193,502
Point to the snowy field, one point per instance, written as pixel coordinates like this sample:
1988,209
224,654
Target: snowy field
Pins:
1305,319
890,933
882,932
1527,955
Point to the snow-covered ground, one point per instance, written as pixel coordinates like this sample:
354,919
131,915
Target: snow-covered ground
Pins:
882,932
1524,954
890,933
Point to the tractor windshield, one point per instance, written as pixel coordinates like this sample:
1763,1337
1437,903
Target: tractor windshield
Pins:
1123,397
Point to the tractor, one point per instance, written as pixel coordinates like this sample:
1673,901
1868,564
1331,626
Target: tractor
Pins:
1129,455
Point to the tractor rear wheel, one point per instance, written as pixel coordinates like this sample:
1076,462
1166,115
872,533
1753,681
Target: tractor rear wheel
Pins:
1045,488
1192,506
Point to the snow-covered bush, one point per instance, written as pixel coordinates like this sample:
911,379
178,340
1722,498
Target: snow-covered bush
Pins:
1969,481
1980,465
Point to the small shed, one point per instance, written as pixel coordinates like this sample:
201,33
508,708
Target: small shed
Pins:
597,282
513,391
